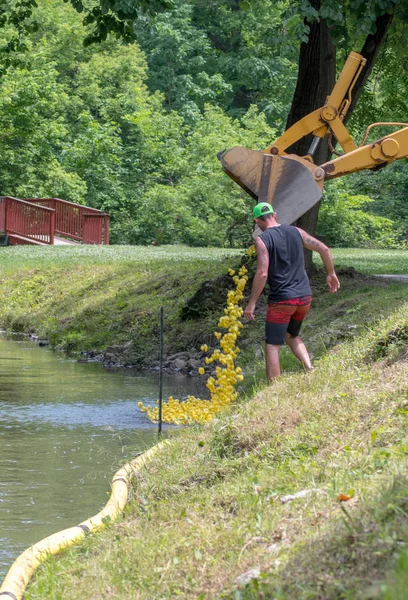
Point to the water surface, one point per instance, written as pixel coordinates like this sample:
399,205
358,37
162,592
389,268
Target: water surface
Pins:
65,428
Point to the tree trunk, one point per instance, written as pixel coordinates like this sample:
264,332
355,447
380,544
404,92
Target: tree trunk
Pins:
316,78
370,51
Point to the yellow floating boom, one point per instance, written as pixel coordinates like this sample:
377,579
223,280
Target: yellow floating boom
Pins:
26,564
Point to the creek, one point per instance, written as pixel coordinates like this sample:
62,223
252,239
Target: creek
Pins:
65,429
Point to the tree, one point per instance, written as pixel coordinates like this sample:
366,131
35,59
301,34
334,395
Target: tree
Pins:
16,22
116,16
328,30
316,77
136,133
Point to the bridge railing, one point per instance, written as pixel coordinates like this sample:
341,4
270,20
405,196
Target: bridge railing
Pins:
77,222
21,219
96,229
2,206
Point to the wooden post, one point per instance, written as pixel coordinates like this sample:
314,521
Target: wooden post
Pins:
161,375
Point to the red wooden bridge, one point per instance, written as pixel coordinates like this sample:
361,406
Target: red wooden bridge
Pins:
44,221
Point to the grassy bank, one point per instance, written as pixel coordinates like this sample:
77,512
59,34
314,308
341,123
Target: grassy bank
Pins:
218,507
91,298
217,513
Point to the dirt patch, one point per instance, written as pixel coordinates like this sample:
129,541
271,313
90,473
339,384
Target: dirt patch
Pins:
208,297
393,345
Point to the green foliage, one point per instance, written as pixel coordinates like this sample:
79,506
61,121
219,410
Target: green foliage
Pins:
228,53
134,130
80,123
201,206
116,16
16,21
387,190
180,62
60,115
344,222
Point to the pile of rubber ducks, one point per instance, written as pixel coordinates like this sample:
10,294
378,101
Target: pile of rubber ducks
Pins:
227,375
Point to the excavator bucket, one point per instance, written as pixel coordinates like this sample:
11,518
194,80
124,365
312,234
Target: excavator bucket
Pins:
290,183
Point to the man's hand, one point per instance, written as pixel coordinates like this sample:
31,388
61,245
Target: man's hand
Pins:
333,283
249,312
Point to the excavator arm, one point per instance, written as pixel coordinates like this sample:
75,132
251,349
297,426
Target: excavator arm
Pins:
293,184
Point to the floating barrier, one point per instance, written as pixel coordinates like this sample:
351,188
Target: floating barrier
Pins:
26,564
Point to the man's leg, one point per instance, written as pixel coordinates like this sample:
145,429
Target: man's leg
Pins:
272,362
277,319
292,336
299,350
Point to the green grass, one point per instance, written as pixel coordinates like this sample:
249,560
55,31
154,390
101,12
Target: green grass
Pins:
209,508
22,257
87,298
373,262
28,257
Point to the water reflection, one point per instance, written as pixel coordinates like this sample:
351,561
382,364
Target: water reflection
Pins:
65,428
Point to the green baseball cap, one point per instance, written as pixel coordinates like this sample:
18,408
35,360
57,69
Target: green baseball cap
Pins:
263,208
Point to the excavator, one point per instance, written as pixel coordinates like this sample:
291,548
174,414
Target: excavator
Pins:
294,184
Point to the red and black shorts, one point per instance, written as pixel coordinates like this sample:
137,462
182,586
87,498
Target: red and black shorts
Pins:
285,317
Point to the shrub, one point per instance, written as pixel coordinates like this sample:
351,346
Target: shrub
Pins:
344,223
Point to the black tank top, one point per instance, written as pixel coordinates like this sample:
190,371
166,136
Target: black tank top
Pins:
287,276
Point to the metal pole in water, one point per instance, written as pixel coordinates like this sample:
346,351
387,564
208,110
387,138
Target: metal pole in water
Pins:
161,374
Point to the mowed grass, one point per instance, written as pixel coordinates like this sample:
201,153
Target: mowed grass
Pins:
373,262
210,517
28,257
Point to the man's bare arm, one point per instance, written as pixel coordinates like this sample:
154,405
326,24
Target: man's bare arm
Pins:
315,245
260,278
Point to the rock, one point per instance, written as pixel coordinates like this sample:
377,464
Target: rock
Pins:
247,577
245,343
258,352
301,494
183,355
113,349
127,350
194,363
179,364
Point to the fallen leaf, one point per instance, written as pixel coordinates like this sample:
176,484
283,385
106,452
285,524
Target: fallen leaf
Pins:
344,498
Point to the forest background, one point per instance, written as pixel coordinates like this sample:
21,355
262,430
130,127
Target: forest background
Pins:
133,126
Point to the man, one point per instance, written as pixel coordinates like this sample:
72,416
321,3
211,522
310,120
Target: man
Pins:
281,261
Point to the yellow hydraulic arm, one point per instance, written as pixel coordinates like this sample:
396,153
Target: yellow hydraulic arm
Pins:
378,154
330,116
293,184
